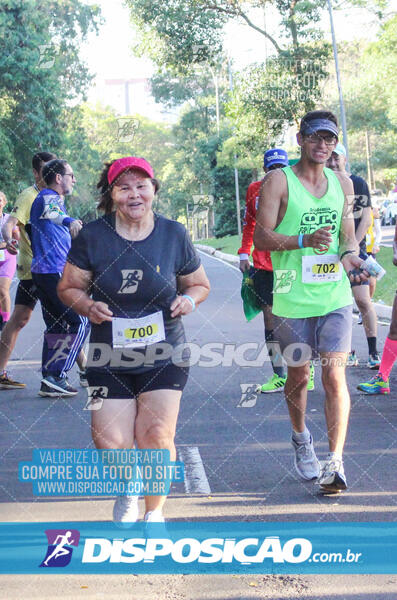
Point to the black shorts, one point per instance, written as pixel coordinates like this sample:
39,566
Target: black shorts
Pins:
117,384
26,293
263,286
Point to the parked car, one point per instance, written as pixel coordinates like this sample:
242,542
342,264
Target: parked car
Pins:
389,213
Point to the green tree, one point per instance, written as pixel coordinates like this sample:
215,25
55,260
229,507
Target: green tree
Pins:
369,78
185,39
41,73
95,135
186,35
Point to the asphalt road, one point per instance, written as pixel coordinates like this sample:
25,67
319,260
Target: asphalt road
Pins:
238,454
388,235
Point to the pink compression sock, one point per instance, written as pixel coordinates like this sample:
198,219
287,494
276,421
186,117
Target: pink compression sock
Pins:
5,315
388,358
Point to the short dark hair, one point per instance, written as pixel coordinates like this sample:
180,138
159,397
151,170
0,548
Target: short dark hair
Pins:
41,157
317,114
53,168
106,202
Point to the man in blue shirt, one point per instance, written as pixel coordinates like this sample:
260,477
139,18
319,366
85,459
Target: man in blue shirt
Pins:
51,232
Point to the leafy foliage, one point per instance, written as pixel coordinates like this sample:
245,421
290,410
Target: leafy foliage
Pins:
95,135
40,75
369,76
177,32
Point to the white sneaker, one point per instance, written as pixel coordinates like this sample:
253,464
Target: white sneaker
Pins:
332,478
125,509
306,462
154,516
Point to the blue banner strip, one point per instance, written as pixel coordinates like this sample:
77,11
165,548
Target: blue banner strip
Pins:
199,547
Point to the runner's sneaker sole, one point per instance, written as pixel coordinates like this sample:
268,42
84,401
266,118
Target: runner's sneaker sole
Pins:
372,391
274,384
12,386
55,394
278,389
338,485
53,390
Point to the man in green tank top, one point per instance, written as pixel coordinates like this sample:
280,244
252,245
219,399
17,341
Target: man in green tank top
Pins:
305,219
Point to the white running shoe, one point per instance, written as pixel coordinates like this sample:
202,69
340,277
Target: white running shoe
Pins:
125,509
306,462
154,516
332,478
352,360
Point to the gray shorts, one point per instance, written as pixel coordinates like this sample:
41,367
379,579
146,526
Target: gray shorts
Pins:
303,339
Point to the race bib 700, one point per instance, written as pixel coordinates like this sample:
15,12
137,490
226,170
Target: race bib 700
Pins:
137,333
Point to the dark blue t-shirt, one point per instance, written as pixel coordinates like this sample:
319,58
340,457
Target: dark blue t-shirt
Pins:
135,279
49,232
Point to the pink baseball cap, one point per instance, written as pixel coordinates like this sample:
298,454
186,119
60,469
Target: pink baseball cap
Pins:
129,162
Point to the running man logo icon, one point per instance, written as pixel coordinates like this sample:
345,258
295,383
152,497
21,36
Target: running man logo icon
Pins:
248,395
284,279
59,551
60,345
126,129
131,279
46,56
96,396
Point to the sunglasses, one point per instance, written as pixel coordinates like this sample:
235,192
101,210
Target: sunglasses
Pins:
314,138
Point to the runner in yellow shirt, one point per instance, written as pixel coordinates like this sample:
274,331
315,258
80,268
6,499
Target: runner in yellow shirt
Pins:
373,239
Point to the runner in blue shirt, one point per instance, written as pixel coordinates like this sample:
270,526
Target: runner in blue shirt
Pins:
51,231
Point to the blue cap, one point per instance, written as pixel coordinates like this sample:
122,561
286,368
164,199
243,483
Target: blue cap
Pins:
275,156
308,127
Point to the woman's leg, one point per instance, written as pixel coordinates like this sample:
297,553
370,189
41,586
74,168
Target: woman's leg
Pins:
5,300
112,426
155,427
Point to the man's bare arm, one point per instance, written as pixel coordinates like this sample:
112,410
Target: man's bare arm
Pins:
347,236
364,224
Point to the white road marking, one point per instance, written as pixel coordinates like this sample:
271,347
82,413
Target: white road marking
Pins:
196,481
17,362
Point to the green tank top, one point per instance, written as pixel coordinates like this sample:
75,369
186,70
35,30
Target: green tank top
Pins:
306,283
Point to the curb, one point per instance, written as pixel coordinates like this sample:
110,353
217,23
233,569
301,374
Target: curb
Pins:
228,258
383,311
